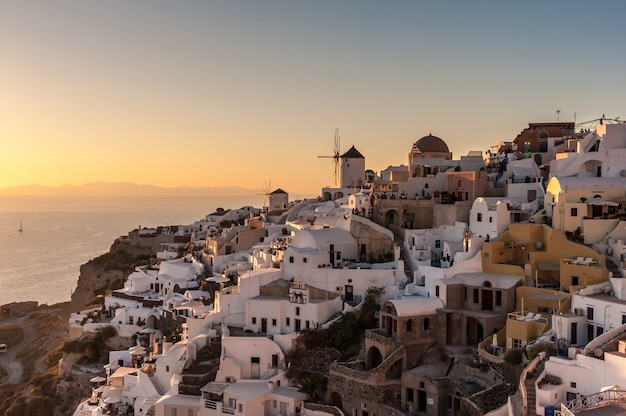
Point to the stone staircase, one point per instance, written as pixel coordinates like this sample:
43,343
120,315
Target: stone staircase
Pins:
529,383
157,385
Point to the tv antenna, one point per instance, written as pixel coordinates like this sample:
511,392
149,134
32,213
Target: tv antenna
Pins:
335,156
267,191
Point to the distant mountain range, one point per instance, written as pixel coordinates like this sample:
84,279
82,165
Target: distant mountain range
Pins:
125,188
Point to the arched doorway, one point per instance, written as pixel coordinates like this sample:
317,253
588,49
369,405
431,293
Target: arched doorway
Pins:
374,358
395,370
392,217
151,321
335,399
474,331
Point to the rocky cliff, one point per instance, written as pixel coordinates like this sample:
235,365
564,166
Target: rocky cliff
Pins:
109,271
53,378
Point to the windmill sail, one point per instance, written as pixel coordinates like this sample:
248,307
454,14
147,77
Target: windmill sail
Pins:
336,156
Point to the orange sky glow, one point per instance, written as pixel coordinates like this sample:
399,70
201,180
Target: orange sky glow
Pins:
240,93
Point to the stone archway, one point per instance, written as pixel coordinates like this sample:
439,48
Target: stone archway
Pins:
474,331
338,195
395,369
335,399
374,358
151,321
327,196
392,217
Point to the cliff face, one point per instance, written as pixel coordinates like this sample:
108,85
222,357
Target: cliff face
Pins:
109,271
49,384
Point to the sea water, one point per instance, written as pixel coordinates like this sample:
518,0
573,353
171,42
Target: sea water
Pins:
60,233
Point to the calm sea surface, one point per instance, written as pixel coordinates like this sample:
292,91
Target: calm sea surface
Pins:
60,233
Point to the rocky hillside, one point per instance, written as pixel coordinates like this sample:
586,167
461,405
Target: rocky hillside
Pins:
46,374
109,271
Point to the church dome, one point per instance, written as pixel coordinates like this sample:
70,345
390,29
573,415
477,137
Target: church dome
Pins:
431,144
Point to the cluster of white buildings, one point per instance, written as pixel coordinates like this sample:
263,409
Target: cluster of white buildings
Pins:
262,277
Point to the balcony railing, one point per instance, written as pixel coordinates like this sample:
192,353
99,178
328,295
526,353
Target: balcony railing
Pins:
596,400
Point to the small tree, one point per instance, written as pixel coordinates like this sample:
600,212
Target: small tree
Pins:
514,356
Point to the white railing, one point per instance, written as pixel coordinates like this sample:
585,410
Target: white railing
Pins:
595,400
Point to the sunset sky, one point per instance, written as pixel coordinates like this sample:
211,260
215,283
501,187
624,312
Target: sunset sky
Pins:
236,93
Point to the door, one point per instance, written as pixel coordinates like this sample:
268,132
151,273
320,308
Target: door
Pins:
264,325
255,363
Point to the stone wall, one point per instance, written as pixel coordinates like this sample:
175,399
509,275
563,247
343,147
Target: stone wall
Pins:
449,214
377,243
366,388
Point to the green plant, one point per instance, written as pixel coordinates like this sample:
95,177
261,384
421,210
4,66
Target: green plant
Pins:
514,356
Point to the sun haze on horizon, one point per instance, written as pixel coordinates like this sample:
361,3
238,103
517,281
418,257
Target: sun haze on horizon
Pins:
239,93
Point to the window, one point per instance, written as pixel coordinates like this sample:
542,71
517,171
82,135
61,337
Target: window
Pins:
290,259
240,407
307,324
409,395
479,217
572,384
599,331
574,280
304,260
490,218
426,324
574,212
464,293
409,325
253,320
287,321
130,320
623,319
437,290
517,343
297,311
475,295
275,404
460,183
498,298
273,322
437,243
590,313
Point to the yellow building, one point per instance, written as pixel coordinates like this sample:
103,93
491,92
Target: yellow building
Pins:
552,268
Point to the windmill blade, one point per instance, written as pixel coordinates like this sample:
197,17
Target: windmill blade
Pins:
336,156
267,191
